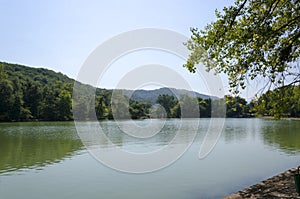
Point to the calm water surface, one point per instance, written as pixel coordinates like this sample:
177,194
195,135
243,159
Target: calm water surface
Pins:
47,160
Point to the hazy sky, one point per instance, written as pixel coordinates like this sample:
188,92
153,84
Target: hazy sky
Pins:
60,35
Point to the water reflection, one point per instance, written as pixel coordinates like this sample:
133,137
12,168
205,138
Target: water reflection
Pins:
34,145
283,135
117,137
236,130
249,151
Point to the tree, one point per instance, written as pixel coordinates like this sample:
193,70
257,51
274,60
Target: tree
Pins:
295,105
34,94
236,106
64,105
284,101
251,39
6,98
204,107
17,111
32,97
103,104
49,104
168,102
120,105
3,74
189,106
100,108
139,110
175,111
157,111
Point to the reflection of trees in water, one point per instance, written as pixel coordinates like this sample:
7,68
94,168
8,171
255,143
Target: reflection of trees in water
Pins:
120,138
280,134
162,137
284,135
32,145
238,129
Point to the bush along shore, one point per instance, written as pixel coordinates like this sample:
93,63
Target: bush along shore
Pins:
279,186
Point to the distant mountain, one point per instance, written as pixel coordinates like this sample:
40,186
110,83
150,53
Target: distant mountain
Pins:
151,95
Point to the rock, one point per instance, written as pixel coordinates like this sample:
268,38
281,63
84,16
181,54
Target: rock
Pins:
280,186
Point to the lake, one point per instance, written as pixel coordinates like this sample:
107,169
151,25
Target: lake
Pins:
47,160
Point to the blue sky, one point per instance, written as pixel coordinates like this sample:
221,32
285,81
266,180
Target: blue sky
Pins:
60,34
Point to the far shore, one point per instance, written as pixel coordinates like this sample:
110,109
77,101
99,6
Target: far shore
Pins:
71,120
283,118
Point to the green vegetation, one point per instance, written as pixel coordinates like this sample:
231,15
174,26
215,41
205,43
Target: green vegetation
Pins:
186,106
284,101
29,94
237,107
251,39
254,40
170,103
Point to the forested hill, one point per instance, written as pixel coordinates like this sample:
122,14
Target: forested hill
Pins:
28,94
33,94
39,75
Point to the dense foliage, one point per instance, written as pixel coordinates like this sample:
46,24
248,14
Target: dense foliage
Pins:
251,39
40,94
284,101
30,94
235,106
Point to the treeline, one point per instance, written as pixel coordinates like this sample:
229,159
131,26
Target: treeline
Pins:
282,102
28,94
34,94
228,106
121,107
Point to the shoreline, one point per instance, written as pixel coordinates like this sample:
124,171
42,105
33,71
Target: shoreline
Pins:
72,120
279,186
282,118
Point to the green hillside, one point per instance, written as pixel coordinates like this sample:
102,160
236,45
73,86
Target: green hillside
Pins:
40,75
33,93
29,94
